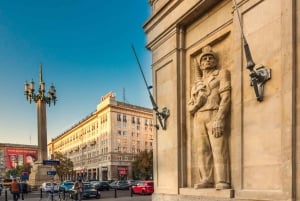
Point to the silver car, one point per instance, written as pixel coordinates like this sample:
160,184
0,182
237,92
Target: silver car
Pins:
50,187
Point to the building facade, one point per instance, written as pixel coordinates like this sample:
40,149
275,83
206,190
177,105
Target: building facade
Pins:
14,155
103,145
262,133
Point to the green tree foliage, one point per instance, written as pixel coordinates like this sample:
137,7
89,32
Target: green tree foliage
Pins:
15,172
142,167
65,166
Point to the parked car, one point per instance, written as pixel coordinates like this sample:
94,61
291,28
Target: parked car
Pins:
66,186
92,180
1,188
88,191
47,187
143,187
94,183
110,181
102,185
120,185
131,182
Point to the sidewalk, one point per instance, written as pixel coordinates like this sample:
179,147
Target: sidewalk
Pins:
136,198
133,198
105,196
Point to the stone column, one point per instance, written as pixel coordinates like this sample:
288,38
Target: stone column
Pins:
42,130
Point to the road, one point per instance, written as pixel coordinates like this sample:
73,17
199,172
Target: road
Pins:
112,195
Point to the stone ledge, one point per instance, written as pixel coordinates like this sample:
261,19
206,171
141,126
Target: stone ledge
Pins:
207,192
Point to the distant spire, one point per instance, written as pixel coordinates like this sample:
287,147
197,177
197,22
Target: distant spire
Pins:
124,96
41,74
124,99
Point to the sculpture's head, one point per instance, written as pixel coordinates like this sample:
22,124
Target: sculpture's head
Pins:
208,59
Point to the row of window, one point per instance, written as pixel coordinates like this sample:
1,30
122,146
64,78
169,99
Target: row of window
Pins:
134,119
89,130
79,161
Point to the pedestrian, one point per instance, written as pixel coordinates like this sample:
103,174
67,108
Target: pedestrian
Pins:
209,105
15,189
78,186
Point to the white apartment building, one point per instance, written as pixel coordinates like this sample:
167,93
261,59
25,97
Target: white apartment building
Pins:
103,145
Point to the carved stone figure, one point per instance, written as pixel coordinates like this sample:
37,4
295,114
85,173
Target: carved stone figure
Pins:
209,105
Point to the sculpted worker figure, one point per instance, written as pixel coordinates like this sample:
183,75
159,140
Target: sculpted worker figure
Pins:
209,104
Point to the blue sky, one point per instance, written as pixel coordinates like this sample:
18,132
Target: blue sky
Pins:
85,49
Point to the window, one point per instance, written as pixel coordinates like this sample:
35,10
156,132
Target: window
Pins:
118,117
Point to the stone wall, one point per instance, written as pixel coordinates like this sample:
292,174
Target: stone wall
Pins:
263,141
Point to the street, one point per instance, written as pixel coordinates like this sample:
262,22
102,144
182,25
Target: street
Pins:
121,195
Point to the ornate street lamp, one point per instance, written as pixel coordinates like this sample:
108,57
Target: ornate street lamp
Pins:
41,99
40,96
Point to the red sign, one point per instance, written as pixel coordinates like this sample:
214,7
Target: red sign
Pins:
20,157
123,170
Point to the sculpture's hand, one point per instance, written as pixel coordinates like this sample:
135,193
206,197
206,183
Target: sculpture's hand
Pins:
200,99
218,128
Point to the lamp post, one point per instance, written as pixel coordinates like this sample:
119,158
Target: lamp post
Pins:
41,99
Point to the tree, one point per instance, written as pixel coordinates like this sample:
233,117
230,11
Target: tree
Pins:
142,167
15,172
65,165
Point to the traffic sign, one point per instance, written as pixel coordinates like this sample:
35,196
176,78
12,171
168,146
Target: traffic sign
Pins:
51,172
50,162
24,175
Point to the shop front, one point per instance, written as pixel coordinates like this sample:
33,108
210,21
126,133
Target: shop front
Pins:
122,172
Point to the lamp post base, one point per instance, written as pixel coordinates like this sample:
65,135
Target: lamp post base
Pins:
39,175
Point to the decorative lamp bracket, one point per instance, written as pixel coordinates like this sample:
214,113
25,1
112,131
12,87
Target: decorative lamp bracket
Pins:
165,113
162,117
258,78
259,75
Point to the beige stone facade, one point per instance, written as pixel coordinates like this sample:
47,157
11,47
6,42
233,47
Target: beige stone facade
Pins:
104,144
263,136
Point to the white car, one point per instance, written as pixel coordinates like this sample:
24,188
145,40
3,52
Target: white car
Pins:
49,187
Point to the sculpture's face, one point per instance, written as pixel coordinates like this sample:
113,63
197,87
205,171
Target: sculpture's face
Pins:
208,62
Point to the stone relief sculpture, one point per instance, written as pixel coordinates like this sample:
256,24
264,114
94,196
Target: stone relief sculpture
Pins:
209,105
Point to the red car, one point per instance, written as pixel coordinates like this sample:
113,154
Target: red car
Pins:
143,187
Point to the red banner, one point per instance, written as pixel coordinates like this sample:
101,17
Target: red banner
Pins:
19,157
